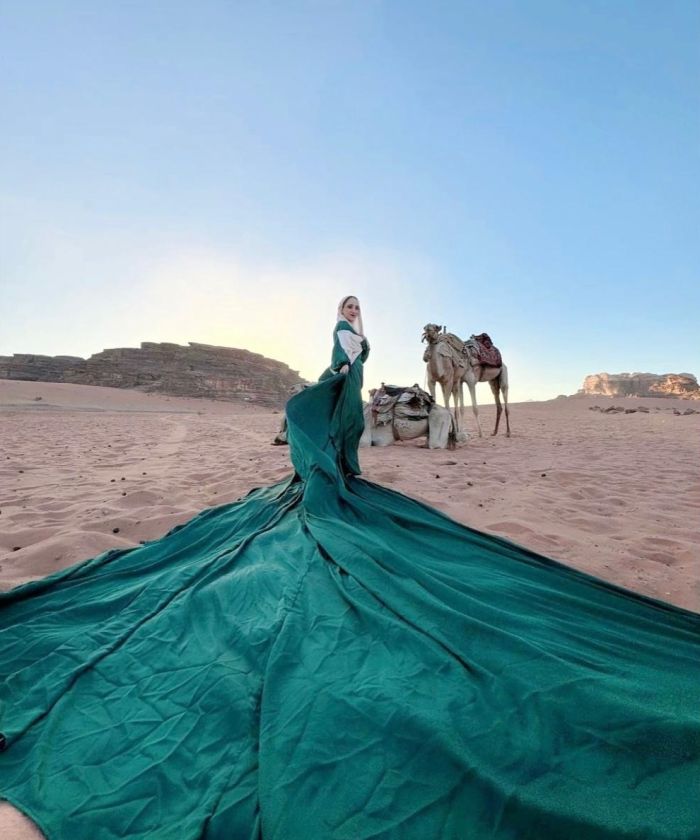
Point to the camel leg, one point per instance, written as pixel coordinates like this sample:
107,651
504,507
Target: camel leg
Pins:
504,389
475,409
445,394
456,401
431,386
447,391
495,390
503,382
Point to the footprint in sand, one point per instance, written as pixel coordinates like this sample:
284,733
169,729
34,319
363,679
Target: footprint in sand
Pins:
385,477
660,557
661,542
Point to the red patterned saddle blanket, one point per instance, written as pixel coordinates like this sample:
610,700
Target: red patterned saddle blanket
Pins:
485,351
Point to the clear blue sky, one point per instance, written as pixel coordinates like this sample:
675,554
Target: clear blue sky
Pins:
225,171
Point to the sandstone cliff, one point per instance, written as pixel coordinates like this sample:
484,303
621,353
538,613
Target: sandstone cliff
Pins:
197,370
642,385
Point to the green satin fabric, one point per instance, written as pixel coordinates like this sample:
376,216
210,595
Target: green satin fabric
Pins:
330,659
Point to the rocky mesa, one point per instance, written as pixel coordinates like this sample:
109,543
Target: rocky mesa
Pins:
195,370
683,385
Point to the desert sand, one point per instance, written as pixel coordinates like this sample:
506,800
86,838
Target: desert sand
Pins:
85,469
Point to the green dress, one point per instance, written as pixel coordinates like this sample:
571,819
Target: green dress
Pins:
327,658
347,422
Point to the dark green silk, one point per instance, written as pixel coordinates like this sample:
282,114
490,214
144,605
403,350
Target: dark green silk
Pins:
327,658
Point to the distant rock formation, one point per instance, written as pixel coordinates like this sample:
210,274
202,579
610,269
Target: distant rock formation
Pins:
197,370
683,385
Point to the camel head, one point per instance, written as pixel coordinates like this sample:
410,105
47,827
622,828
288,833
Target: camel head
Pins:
431,333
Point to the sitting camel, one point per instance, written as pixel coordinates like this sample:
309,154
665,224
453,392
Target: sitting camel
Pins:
398,414
402,413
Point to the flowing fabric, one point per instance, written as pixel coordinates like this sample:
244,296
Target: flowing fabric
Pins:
328,658
345,422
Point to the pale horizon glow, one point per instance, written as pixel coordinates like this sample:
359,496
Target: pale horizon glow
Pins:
224,173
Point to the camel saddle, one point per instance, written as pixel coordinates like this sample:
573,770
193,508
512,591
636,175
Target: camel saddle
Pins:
391,401
484,350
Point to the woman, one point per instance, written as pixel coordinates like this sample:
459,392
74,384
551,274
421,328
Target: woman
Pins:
329,658
350,352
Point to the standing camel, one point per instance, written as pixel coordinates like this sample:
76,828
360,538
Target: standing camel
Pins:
466,367
443,366
497,377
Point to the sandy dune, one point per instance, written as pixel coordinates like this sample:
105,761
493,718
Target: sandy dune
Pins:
85,469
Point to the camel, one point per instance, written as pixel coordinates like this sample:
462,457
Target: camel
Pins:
497,377
403,413
398,414
470,369
443,365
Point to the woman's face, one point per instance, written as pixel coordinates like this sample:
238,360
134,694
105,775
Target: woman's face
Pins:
351,309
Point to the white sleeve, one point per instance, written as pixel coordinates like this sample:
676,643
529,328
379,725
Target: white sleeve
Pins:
349,343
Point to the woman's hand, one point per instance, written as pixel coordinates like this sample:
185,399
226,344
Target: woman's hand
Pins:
344,369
